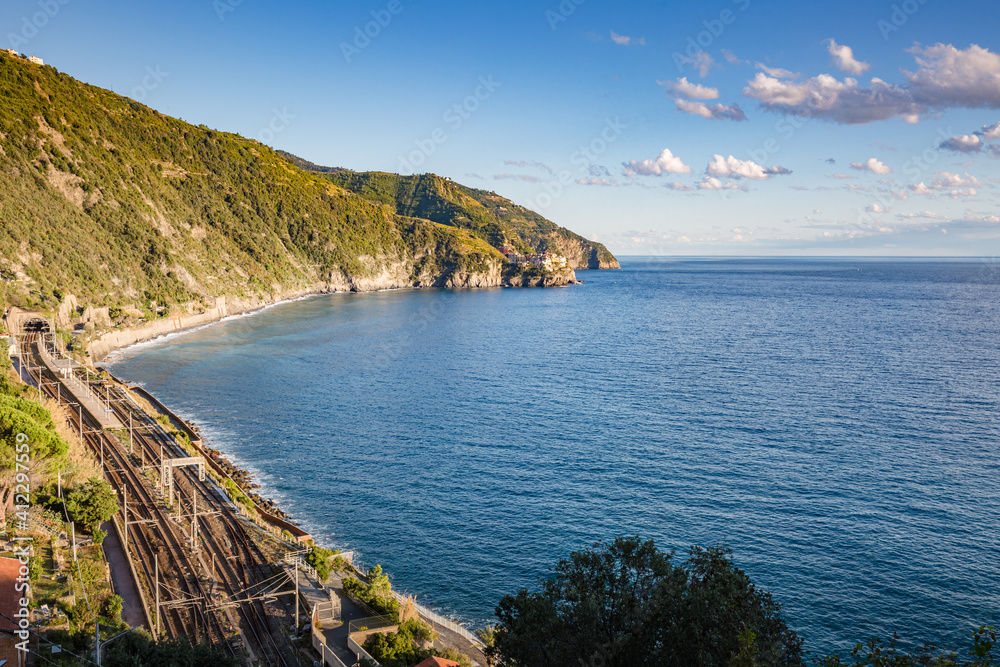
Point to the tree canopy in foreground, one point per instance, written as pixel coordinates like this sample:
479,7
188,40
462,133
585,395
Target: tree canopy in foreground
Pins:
630,604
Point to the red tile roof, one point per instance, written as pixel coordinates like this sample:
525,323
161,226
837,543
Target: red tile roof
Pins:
10,604
435,661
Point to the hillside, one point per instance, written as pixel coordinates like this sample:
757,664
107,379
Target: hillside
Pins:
111,201
498,221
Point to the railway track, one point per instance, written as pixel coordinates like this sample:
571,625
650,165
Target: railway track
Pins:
244,566
224,603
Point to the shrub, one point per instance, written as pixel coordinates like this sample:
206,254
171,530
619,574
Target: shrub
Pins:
92,504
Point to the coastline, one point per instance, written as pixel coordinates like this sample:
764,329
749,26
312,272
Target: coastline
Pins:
120,340
304,531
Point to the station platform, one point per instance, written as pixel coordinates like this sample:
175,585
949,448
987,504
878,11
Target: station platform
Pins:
80,391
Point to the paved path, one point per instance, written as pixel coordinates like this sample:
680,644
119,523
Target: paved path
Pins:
121,577
336,637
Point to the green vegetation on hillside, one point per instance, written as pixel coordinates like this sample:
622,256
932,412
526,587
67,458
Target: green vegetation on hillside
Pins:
26,428
377,593
111,201
496,220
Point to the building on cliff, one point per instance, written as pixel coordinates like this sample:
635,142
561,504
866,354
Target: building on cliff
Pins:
546,261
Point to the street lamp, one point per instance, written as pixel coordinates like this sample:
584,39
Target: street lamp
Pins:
101,644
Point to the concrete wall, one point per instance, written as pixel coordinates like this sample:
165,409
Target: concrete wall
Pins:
115,340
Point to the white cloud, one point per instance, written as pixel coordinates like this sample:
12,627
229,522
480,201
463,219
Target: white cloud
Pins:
678,186
950,77
701,62
732,167
710,183
949,184
843,58
843,177
827,98
947,77
928,215
527,178
731,57
947,179
690,90
966,143
872,165
714,111
627,41
666,163
610,182
524,163
777,72
991,131
876,208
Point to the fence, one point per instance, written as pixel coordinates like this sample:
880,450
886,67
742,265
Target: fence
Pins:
294,559
274,531
443,622
326,612
371,624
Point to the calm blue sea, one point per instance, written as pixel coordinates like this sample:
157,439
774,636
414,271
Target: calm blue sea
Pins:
833,421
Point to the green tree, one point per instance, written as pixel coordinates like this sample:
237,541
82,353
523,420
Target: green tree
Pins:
629,604
377,592
112,608
319,558
92,504
400,648
137,649
878,653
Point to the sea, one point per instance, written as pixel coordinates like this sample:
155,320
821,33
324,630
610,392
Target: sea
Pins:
833,421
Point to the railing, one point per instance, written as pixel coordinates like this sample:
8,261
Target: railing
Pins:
442,621
326,612
294,559
274,531
372,623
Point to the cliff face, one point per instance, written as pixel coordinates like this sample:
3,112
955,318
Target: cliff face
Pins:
580,254
497,221
134,211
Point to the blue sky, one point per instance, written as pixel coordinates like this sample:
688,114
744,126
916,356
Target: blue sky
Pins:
605,117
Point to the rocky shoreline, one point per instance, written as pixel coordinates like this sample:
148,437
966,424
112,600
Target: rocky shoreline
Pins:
228,306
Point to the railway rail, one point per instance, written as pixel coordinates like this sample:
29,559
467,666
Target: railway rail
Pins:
216,583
